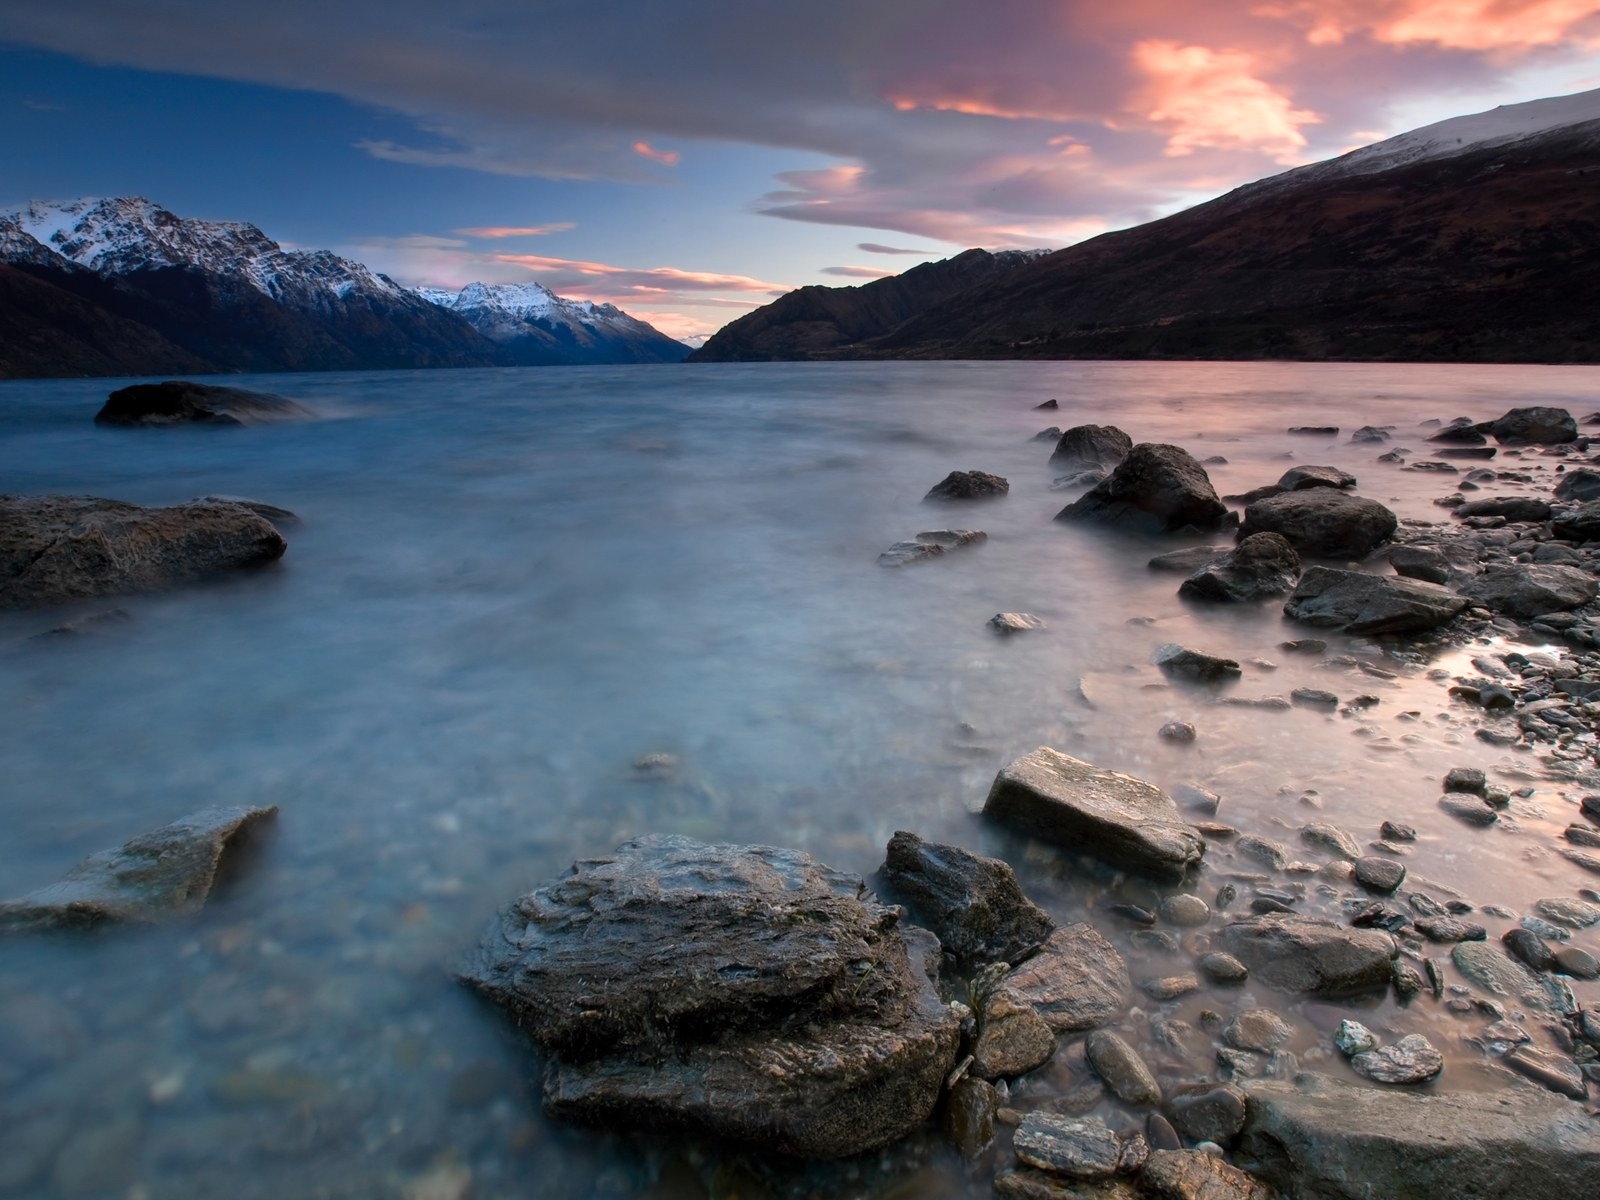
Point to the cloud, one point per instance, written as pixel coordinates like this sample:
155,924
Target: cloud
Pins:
516,231
876,248
415,241
1499,28
1214,98
858,272
667,158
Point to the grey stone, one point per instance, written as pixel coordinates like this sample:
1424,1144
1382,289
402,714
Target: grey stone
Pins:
1569,911
1298,479
1322,522
1194,664
968,485
1491,971
1196,1175
1076,1148
1330,839
969,1113
1379,874
1177,731
1188,560
1368,604
1352,1038
1559,1075
1208,1112
1311,956
1466,779
1118,818
974,905
1410,1060
1512,508
1581,524
1529,591
1223,968
1420,562
1464,806
1258,1029
1077,981
1185,910
1157,488
1123,1071
1580,485
1012,1037
164,873
183,402
1090,446
1533,426
1262,565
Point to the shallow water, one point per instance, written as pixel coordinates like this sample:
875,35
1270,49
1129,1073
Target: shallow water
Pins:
508,586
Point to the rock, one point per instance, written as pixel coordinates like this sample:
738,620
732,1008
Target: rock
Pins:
1548,1071
1185,910
1529,949
1326,1140
1314,698
969,1113
1393,831
1194,664
269,512
1048,404
1123,1071
1188,560
1322,522
1077,981
1315,430
1410,1060
1311,956
744,992
1262,565
1196,1175
1460,435
1369,604
1330,839
1115,817
1378,874
1576,962
1076,1148
1370,434
1464,806
1533,426
968,485
1466,779
1052,434
1223,968
1569,911
1419,562
1258,1029
1579,486
180,402
1271,854
1026,1183
1512,508
164,873
1177,731
1352,1038
1010,622
974,905
1297,479
1090,446
1170,987
1208,1112
1529,591
57,549
1581,524
1013,1038
1446,930
1485,966
930,544
1077,479
1159,488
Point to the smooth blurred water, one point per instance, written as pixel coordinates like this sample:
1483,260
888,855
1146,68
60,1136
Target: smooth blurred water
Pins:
507,586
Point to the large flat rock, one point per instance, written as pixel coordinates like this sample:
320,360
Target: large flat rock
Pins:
1122,820
1329,598
1311,956
1321,1139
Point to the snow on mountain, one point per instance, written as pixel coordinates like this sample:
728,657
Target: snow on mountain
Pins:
517,312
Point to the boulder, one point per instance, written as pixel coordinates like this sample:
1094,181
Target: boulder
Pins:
1581,524
1052,434
968,485
1522,590
181,402
57,549
1368,604
1208,1112
1122,820
1087,446
1077,981
1322,522
164,873
1298,479
1533,426
1512,508
974,905
743,992
1264,564
1322,1139
1157,488
1420,562
1196,1175
1579,486
1311,956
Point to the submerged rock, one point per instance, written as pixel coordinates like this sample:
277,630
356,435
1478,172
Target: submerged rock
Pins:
1188,560
968,485
1321,1139
164,873
182,402
1079,1148
1322,522
1264,564
1533,426
974,905
744,992
57,549
1115,817
1329,598
1157,487
930,544
1194,664
1088,446
1298,479
1311,956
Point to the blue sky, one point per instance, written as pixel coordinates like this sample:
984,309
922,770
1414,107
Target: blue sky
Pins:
690,161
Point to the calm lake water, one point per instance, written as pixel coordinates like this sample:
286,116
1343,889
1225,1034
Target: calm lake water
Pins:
506,588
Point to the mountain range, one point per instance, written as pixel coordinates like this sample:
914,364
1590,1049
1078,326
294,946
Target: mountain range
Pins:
1474,239
123,287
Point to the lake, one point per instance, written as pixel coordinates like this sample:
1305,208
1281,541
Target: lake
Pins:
508,590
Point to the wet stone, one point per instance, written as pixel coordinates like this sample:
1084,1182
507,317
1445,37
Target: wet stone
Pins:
1352,1038
1177,731
1569,911
1196,1175
1208,1112
969,1115
1185,910
1223,968
1122,1069
1258,1029
1330,839
1264,850
1381,875
1070,1146
1473,810
1466,779
1011,622
1077,981
1194,664
1529,949
1012,1037
1557,1074
1304,954
1448,930
1410,1060
1485,966
1576,962
1170,987
1395,832
1314,698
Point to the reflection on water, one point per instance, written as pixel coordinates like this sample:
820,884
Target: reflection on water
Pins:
508,586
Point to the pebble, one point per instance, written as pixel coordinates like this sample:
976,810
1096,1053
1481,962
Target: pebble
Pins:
1223,968
1447,930
1170,987
1410,1060
1177,731
1394,832
1474,810
1528,948
1264,850
1208,1112
1330,838
1354,1038
1564,910
1380,875
1258,1029
1123,1071
1185,910
1578,963
1314,698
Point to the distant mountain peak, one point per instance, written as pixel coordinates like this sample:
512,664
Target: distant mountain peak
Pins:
530,314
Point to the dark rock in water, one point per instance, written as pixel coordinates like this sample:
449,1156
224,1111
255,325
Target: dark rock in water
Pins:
1324,430
969,1115
744,992
1394,831
1449,930
1195,1175
271,512
1207,1112
1529,591
1123,1071
1122,820
1321,1139
1158,488
1459,435
1474,810
1467,452
1187,561
1077,981
1053,434
1026,1183
180,402
1078,1148
1378,874
974,905
1048,404
1368,604
1177,731
1582,524
1311,956
930,544
1088,446
56,549
1194,664
164,873
1579,486
1576,962
1009,622
1158,1131
1488,967
1466,779
1264,564
1077,479
1298,479
1223,968
1304,646
1529,949
1323,522
1254,494
1012,1037
1369,434
968,485
1512,508
1533,426
1547,1071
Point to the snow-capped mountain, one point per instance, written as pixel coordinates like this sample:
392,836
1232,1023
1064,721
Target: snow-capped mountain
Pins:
534,323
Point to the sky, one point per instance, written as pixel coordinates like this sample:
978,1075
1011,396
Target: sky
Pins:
689,160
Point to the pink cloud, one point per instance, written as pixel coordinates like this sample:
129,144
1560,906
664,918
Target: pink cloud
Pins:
511,231
665,157
1499,28
858,272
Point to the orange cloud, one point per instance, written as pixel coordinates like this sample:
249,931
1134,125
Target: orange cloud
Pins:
647,279
511,231
1494,27
976,106
1214,98
668,158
